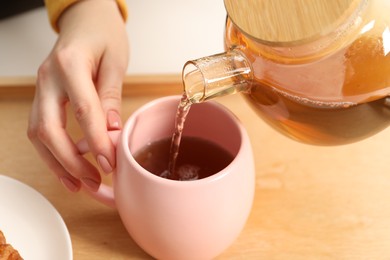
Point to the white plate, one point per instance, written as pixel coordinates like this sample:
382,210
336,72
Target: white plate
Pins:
31,224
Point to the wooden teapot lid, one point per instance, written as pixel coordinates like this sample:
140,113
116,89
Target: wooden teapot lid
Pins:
286,21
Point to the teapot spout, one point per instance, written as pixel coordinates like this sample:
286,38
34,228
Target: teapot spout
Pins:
217,75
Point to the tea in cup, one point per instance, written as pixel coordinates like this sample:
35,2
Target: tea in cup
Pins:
183,219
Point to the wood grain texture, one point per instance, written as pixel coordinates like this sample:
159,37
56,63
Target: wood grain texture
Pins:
284,21
134,85
311,202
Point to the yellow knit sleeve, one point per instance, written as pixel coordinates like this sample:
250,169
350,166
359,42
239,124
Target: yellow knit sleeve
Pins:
56,7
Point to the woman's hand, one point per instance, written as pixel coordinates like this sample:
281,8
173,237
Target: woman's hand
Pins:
85,69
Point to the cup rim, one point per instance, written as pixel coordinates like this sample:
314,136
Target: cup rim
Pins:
214,177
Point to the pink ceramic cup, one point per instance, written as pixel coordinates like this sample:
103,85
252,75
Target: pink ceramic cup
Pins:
182,219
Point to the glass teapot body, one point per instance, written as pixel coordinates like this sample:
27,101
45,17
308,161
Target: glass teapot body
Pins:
328,89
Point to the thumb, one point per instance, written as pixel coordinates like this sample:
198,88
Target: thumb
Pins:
110,93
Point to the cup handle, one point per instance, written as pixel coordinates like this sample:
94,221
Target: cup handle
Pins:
105,193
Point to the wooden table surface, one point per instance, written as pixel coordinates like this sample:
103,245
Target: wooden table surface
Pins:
310,203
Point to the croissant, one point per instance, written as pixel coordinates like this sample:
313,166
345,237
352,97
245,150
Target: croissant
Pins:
7,252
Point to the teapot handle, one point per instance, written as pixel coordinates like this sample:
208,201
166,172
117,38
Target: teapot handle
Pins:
105,193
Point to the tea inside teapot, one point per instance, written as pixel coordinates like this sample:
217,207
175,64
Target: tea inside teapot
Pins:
324,83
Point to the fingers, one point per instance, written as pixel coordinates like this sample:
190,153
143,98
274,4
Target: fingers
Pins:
109,86
89,113
112,68
86,70
48,135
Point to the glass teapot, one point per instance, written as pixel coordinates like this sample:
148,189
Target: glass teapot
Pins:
317,71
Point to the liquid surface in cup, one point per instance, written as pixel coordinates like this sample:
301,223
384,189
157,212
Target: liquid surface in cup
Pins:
198,158
339,98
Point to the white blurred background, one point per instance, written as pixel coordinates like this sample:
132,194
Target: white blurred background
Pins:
163,36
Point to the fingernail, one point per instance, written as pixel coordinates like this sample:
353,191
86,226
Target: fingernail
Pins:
113,120
69,184
90,183
104,164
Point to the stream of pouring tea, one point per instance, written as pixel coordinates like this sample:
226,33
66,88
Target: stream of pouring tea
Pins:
181,115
